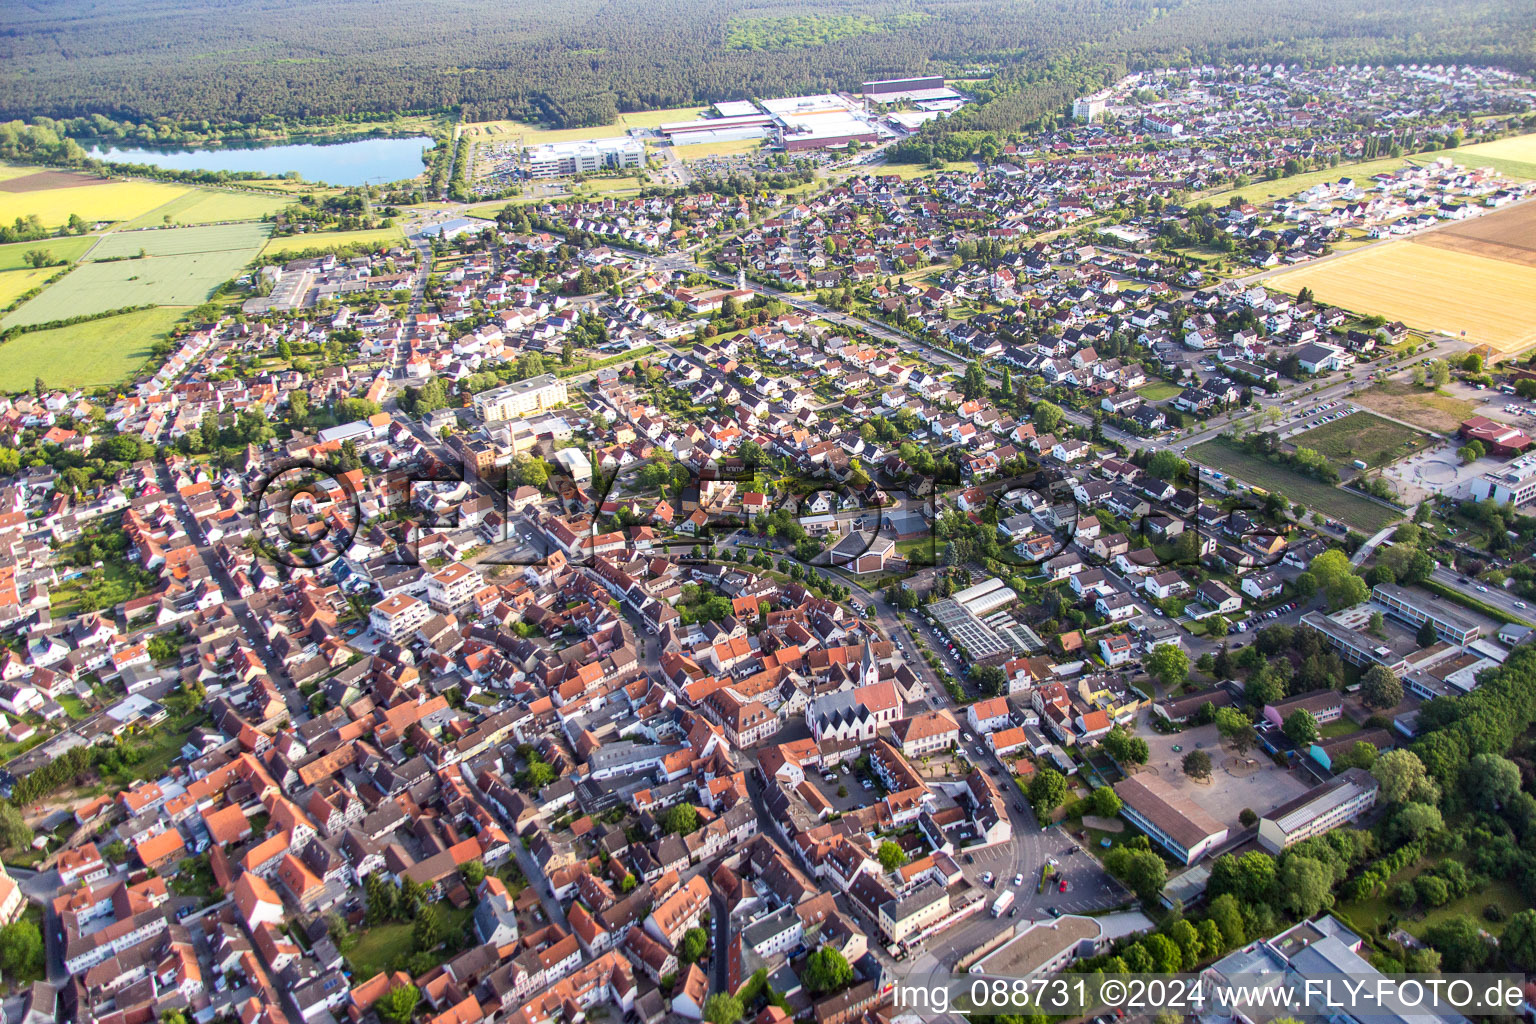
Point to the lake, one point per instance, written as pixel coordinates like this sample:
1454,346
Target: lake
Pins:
355,162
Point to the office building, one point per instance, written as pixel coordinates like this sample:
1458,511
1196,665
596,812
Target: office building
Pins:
555,159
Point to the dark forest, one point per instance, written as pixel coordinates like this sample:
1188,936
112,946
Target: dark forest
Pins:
579,62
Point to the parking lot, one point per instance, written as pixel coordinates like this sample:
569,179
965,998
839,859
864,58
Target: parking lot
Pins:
1254,781
1087,886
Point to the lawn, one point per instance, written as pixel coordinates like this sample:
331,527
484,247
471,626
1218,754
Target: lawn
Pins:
608,186
332,240
209,206
186,280
248,237
377,948
84,355
1368,914
1341,727
1258,192
15,283
657,118
1365,436
708,149
74,706
1420,406
1158,391
1482,300
1226,456
112,201
68,248
909,171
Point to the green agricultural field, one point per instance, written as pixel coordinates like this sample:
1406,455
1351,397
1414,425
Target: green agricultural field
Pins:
84,355
68,248
245,238
1363,435
210,206
332,240
1361,513
184,280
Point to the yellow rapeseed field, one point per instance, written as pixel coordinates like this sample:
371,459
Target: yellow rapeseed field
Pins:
113,201
1433,289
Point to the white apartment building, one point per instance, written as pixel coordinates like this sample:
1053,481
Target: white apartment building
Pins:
397,617
453,588
521,398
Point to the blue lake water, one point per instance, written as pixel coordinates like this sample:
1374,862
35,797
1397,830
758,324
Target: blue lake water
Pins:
357,162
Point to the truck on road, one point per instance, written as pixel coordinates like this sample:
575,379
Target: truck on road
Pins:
1002,903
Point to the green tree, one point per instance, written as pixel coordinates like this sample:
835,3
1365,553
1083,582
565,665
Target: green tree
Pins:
1047,791
1141,870
1169,664
722,1008
21,949
398,1005
1301,728
1414,821
1197,764
15,833
1125,748
1105,802
680,819
891,856
1225,913
826,970
474,873
1379,688
1165,465
1518,943
1047,417
1490,781
1460,941
1234,727
1427,635
691,947
1305,885
1401,774
427,932
1250,878
975,383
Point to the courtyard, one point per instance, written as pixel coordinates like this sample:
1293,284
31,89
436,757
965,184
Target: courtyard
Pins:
1251,781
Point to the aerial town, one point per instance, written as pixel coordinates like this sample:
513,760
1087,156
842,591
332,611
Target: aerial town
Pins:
721,604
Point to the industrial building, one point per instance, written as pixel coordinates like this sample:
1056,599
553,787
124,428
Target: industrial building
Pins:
890,89
753,125
736,108
556,159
